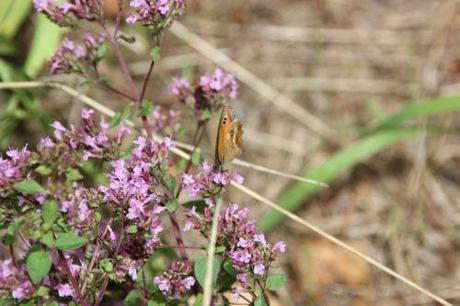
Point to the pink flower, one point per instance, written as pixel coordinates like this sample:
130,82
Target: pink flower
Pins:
242,278
219,84
260,238
259,269
64,290
188,282
280,246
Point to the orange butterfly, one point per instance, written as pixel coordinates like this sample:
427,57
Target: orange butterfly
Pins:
229,137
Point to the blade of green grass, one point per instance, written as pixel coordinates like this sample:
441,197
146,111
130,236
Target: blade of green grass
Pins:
12,15
423,108
44,44
385,135
332,168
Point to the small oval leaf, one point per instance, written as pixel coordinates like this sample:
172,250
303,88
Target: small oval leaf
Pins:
68,241
38,265
28,186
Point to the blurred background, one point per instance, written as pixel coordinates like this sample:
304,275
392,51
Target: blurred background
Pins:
380,81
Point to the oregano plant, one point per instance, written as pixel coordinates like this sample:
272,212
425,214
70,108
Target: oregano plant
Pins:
84,213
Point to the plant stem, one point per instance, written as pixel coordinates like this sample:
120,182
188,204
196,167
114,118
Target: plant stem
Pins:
72,279
146,81
178,234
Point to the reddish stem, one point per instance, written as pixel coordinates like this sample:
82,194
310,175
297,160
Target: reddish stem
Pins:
72,279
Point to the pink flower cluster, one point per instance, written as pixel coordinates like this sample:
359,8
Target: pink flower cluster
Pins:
165,123
180,88
67,12
249,251
134,187
153,12
77,206
208,181
218,84
15,280
13,168
79,143
72,57
176,281
213,90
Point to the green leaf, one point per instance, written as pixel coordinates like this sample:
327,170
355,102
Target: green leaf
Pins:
422,109
44,44
260,301
101,52
171,206
7,47
132,229
146,108
107,265
127,38
28,186
155,54
11,233
199,300
73,175
48,240
12,15
43,170
276,281
122,115
38,265
50,211
133,298
43,291
68,241
171,183
335,166
200,270
196,157
205,115
228,267
200,205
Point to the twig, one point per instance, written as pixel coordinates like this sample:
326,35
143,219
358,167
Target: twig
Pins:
72,279
210,260
274,96
94,104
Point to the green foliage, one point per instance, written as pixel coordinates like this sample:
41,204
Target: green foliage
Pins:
276,281
38,265
44,44
155,54
200,205
146,108
68,241
260,301
28,186
12,15
101,52
196,157
50,211
73,175
200,270
171,206
133,298
43,170
120,116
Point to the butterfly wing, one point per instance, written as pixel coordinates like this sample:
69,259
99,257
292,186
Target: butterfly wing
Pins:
233,141
225,123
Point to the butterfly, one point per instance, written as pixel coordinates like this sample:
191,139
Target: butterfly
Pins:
229,137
